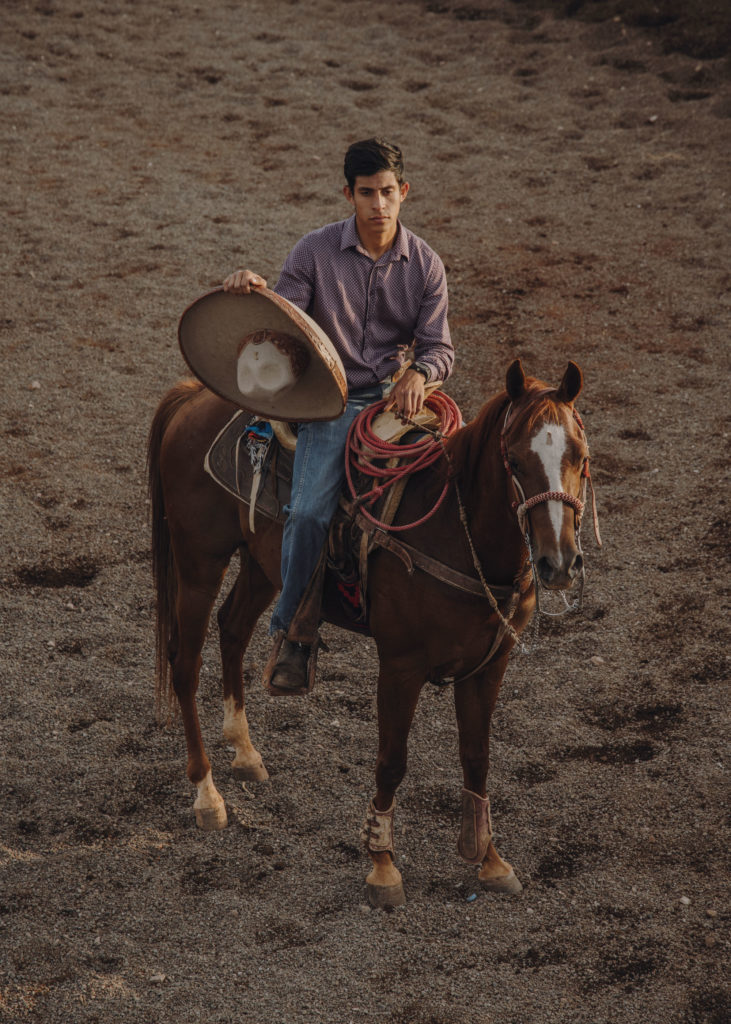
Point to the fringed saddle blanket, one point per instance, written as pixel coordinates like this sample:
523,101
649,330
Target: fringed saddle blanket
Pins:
248,462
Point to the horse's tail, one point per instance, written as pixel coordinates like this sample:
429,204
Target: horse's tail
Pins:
163,564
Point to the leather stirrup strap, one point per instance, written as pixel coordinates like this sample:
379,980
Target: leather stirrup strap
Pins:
303,629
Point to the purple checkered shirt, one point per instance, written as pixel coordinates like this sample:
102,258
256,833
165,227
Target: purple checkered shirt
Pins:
372,311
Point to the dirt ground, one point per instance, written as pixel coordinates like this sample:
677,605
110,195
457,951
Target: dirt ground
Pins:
573,172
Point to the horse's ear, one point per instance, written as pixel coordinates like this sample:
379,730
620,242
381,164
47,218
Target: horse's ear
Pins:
515,380
571,384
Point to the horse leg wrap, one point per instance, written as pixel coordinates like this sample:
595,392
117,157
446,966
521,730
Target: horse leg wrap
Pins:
476,830
377,832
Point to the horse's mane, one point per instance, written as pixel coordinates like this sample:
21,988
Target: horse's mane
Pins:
467,446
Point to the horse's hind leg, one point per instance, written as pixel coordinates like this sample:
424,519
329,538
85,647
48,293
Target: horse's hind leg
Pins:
237,618
475,701
193,607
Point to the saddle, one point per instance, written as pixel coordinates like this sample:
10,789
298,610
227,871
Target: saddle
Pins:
252,459
248,461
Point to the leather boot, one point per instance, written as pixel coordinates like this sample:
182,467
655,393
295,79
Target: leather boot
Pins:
290,673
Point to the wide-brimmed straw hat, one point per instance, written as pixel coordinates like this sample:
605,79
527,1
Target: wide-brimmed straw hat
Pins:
263,353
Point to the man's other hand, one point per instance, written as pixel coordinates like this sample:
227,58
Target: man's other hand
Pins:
406,397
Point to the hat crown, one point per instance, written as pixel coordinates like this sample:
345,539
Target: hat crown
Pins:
269,362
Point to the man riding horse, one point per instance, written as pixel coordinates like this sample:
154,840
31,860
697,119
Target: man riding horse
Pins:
376,290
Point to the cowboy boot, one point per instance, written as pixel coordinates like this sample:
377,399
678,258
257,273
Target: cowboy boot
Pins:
290,674
293,663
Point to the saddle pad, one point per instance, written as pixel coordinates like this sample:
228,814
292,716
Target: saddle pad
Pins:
229,464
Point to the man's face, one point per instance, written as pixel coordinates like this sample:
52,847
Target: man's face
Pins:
377,200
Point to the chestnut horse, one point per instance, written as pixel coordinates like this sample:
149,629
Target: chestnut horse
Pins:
525,450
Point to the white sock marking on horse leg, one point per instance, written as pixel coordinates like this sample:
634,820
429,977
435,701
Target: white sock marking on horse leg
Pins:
550,444
208,795
235,724
210,810
236,731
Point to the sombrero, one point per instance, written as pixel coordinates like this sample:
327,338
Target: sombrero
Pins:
263,353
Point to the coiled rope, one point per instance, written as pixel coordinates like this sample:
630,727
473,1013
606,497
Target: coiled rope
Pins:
368,454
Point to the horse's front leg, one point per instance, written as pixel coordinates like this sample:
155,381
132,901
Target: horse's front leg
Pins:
398,693
237,618
475,700
193,609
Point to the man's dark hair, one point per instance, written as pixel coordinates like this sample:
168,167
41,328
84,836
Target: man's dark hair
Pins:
370,157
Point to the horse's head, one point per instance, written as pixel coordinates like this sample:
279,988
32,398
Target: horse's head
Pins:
546,457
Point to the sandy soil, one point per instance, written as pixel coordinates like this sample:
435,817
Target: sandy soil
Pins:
574,173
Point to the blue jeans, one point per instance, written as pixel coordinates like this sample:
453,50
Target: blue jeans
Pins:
317,479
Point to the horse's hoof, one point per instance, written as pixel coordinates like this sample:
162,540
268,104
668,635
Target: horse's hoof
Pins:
250,772
211,819
502,883
384,896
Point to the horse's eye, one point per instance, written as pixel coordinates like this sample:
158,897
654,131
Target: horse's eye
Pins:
513,463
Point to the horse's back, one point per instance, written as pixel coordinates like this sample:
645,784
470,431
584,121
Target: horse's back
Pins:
186,423
192,416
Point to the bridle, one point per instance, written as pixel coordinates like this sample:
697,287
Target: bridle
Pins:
522,505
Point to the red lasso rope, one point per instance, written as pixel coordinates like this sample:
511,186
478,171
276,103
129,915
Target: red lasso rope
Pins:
365,450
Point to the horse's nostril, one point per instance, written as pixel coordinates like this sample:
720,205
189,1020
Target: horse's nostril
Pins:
545,569
561,574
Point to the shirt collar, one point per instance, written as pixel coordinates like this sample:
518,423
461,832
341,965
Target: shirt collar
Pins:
399,249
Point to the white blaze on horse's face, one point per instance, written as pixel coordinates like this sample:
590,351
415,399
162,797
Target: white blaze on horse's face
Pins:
549,444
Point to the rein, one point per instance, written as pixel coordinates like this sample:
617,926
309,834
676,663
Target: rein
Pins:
364,446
